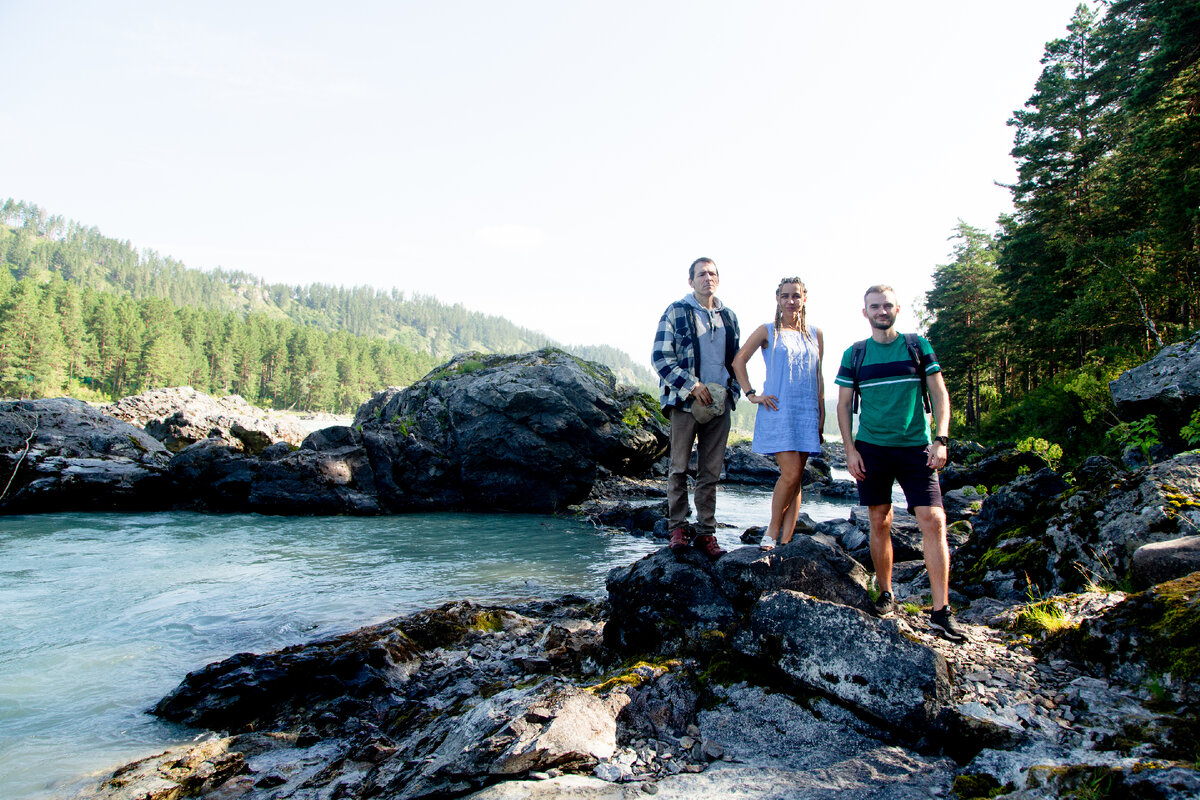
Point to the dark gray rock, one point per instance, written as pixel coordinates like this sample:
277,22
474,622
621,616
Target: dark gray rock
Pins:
1007,548
1106,520
848,535
631,517
839,488
63,455
835,650
992,471
962,503
662,706
742,465
666,604
803,565
663,604
1149,635
337,481
1036,531
1167,386
219,478
907,541
1164,561
528,432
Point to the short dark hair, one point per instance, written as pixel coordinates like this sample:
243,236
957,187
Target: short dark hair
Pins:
878,288
692,268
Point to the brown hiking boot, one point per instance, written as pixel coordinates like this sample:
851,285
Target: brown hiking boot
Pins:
680,541
707,544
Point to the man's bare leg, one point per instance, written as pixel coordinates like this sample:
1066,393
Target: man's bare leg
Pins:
932,521
881,545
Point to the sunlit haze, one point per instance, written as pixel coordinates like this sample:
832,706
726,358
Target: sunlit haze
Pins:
556,163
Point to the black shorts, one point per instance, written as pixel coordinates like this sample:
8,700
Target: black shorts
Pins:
885,465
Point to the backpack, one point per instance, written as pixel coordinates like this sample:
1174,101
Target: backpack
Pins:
859,352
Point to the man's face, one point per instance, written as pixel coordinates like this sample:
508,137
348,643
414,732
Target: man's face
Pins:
704,279
880,309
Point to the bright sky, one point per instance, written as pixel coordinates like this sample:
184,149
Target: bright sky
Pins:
557,163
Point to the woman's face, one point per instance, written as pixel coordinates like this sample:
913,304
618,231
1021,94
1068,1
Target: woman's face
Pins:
791,297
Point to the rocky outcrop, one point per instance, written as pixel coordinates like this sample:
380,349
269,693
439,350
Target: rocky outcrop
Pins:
835,650
1038,532
524,701
663,604
1007,545
529,432
181,416
1167,386
63,455
1150,635
431,705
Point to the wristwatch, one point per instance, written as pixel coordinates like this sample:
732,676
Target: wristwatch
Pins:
945,440
750,393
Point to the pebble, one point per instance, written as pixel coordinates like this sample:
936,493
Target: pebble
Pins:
607,771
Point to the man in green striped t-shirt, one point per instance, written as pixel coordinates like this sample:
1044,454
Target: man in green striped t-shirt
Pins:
893,444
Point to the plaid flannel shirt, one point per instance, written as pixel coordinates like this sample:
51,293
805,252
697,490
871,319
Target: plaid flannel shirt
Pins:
674,357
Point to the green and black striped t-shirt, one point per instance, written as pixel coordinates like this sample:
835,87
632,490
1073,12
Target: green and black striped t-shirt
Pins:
891,412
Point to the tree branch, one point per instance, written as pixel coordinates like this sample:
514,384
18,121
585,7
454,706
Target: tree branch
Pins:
1146,320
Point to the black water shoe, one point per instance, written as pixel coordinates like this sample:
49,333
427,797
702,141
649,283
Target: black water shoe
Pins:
943,620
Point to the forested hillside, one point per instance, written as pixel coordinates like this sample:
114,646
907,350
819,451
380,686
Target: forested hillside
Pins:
1099,266
313,347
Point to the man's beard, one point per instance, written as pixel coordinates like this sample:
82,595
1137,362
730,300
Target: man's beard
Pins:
883,324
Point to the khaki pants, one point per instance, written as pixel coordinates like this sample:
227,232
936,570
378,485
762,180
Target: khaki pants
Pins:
710,451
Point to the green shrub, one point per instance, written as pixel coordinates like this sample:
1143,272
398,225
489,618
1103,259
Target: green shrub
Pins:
1051,452
1190,432
1142,434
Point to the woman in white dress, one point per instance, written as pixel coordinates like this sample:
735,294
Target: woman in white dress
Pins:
791,410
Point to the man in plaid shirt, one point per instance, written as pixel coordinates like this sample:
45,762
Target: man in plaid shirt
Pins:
695,344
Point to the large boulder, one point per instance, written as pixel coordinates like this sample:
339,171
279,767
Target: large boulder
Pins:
1167,385
666,604
529,432
1159,562
63,455
181,416
1103,523
663,604
866,663
805,564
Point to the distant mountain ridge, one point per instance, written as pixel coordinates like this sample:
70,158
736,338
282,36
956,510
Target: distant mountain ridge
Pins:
83,256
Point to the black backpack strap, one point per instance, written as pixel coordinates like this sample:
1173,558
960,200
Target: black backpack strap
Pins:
914,352
857,353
